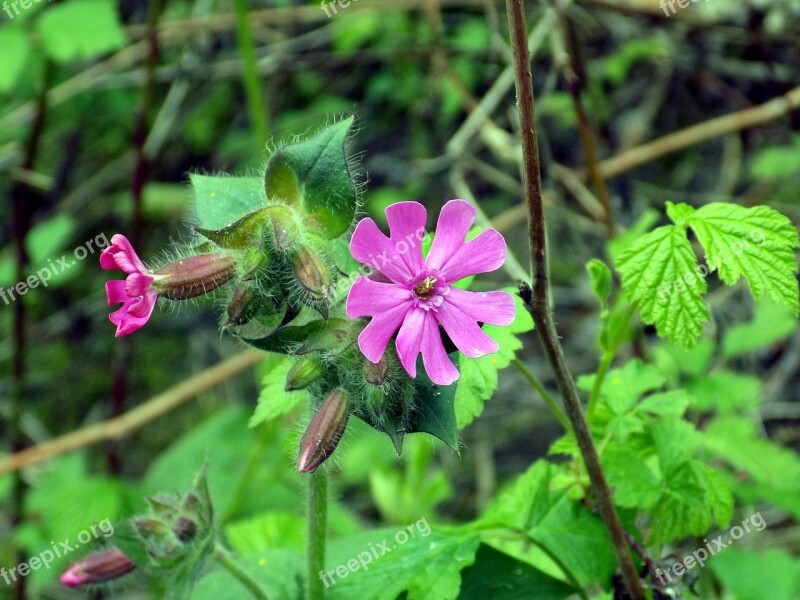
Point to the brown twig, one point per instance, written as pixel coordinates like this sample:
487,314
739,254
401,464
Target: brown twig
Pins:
538,303
132,420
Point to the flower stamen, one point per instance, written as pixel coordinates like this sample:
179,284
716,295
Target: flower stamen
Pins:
424,289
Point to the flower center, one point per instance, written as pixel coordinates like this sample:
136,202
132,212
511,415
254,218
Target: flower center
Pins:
425,289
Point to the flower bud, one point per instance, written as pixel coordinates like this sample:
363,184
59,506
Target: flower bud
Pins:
324,432
303,373
241,307
375,373
97,568
284,228
337,335
311,273
150,528
194,276
253,261
184,529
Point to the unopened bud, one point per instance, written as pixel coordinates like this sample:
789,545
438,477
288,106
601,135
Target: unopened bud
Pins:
284,227
184,529
163,506
324,432
311,273
337,335
194,276
303,373
254,260
375,373
97,568
241,307
150,528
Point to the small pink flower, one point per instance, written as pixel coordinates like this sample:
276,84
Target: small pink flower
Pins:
135,292
180,280
418,296
97,568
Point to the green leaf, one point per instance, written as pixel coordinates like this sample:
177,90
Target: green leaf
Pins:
675,441
188,571
623,387
626,239
274,400
770,324
427,566
478,378
725,391
682,509
658,272
80,29
776,161
672,403
238,234
434,411
221,201
497,576
757,574
756,243
274,529
600,277
14,44
634,482
314,176
279,573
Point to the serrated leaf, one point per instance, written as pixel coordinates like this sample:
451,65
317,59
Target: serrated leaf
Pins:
274,400
622,387
274,529
658,272
675,441
756,243
434,411
725,392
634,482
770,324
682,510
672,403
313,175
427,567
80,29
221,201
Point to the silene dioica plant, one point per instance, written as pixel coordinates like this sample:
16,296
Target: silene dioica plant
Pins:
387,329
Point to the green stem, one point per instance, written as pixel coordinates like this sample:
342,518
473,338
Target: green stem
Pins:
537,385
242,575
615,338
252,86
317,525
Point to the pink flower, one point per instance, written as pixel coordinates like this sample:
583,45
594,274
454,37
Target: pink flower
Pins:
135,292
97,568
418,296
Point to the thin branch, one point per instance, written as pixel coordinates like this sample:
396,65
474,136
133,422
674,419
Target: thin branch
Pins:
132,420
537,301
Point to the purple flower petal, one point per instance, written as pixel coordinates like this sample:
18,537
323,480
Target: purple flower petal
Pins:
376,335
368,298
137,284
406,228
127,324
494,308
485,253
121,255
409,339
438,365
464,331
454,223
370,247
115,292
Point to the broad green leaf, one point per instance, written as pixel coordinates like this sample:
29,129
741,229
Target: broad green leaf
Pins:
682,509
733,439
672,403
274,400
523,502
478,379
719,499
314,176
497,576
757,574
275,529
675,441
634,482
776,161
80,29
434,411
221,201
674,361
15,47
756,243
427,566
279,572
622,387
725,391
659,273
770,324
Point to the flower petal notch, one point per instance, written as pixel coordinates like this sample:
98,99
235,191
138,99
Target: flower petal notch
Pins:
416,295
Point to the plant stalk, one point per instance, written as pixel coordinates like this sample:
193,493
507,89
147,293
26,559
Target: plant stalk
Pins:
242,575
317,526
537,300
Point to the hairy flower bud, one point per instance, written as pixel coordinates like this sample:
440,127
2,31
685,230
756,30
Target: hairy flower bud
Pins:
150,528
284,229
375,373
253,261
324,432
311,273
97,568
303,373
194,276
241,307
184,529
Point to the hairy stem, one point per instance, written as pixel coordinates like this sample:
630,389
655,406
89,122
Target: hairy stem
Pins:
538,304
242,575
317,526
